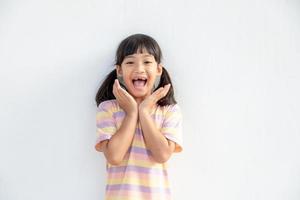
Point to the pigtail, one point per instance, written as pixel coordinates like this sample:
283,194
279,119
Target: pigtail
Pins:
169,98
105,91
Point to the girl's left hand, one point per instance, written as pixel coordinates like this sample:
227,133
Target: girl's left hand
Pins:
147,104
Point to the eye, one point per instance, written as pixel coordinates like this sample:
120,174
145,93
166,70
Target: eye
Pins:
129,63
148,62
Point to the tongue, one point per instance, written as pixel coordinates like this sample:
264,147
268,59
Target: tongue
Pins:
138,83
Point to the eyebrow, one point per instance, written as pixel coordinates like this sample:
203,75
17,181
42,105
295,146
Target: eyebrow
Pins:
130,56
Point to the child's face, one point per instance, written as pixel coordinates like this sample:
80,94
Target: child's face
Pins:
139,72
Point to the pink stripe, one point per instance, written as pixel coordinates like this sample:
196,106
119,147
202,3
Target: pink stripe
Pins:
138,169
103,137
144,176
174,108
103,123
172,124
139,156
106,105
119,114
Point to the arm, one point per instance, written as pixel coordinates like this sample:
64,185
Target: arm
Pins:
116,147
160,147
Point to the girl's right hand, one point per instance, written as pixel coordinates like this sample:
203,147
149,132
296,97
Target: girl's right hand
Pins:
125,100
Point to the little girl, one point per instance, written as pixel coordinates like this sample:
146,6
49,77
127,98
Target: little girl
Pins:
139,123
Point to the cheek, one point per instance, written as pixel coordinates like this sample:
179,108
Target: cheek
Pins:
126,75
128,80
151,81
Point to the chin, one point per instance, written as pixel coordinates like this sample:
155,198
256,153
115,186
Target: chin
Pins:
139,94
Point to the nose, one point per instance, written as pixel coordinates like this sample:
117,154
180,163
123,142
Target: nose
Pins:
139,68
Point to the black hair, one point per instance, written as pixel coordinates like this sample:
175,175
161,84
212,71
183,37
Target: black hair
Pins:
128,46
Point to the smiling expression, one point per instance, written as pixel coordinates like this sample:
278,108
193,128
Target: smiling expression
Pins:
139,72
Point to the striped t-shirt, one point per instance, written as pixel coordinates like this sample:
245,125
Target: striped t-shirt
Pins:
138,177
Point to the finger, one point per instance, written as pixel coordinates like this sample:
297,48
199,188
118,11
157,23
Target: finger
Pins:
123,93
156,92
159,91
117,83
164,91
154,97
116,91
114,88
119,87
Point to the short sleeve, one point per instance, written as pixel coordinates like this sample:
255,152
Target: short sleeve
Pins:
172,126
105,122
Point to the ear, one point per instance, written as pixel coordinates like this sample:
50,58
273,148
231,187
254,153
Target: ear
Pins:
119,70
159,69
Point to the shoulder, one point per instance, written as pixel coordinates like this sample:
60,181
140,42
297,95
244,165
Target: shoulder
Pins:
170,109
171,116
108,105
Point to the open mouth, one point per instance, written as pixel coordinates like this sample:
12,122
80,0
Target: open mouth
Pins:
139,83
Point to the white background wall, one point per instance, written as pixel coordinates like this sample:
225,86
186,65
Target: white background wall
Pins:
235,67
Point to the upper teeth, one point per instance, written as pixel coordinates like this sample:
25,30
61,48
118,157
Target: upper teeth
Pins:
139,78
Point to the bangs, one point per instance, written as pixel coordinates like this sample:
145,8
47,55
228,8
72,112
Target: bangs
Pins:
138,43
135,47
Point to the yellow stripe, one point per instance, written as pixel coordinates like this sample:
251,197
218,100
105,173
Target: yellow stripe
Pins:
139,143
169,130
103,115
109,129
173,114
136,195
151,182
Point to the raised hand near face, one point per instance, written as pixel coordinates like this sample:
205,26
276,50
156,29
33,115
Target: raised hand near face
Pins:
125,100
147,104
